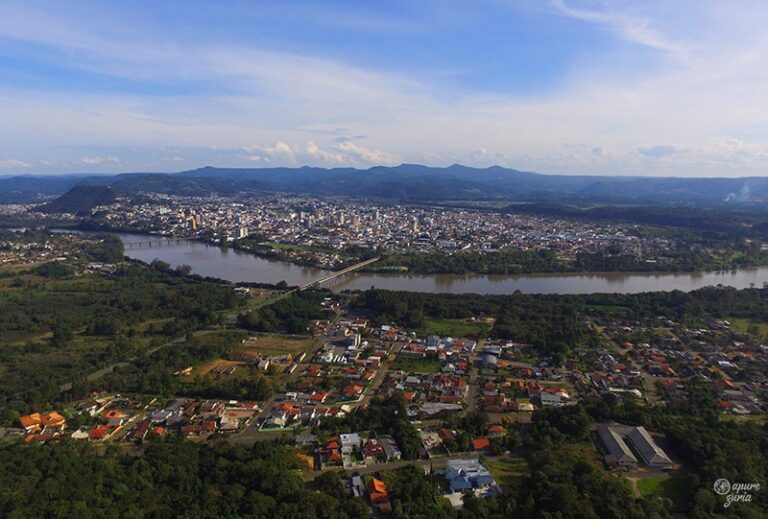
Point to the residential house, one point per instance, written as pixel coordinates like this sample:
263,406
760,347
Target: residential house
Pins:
467,474
350,443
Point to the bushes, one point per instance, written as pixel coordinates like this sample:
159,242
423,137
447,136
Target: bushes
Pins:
290,315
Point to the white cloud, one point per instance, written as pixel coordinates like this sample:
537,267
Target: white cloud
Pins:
361,154
96,161
13,164
704,101
633,28
345,153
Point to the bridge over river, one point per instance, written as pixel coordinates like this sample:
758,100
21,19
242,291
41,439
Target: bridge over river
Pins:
155,242
334,275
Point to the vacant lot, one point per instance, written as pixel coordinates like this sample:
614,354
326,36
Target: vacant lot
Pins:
505,470
456,328
205,369
417,365
271,344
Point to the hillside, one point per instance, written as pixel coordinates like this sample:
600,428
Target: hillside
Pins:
417,183
80,199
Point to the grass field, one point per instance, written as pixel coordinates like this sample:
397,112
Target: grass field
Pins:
270,344
417,365
742,324
456,328
650,486
505,470
676,488
756,418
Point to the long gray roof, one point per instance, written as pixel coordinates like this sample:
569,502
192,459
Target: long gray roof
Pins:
651,453
615,445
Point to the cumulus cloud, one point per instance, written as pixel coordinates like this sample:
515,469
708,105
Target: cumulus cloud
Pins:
361,154
345,153
13,164
96,161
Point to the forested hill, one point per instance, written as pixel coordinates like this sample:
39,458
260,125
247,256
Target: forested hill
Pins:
413,182
80,199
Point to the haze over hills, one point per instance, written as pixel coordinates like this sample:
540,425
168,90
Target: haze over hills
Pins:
411,182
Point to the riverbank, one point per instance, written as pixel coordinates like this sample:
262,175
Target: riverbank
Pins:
515,262
238,266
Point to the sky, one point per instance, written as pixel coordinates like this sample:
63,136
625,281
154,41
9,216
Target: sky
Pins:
606,87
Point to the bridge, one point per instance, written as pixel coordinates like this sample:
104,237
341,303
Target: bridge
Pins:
334,275
159,242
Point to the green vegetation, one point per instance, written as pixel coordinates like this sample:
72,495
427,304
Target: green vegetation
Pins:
170,479
80,199
290,315
416,365
57,326
413,495
271,344
649,486
709,448
506,471
387,416
456,328
551,324
156,374
758,329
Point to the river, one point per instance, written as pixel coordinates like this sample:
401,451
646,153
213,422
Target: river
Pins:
236,266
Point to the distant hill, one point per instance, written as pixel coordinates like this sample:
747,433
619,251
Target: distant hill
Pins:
417,183
29,188
80,199
413,182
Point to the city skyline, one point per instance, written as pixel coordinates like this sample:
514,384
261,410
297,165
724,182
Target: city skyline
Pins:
563,86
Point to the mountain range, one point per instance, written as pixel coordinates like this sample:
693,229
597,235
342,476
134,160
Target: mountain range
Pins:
412,183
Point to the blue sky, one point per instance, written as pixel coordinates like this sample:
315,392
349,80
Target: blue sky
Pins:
610,87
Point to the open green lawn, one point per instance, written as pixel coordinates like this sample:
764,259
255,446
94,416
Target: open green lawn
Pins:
742,324
676,488
456,328
756,418
417,365
650,486
505,470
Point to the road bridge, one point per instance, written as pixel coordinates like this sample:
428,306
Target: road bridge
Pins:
158,242
334,275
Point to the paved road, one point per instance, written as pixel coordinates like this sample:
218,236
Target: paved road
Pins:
436,463
473,393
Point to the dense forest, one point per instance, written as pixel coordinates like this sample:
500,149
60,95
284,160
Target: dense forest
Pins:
167,479
57,325
186,479
293,314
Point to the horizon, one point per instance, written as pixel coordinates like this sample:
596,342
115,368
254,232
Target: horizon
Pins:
563,87
329,168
